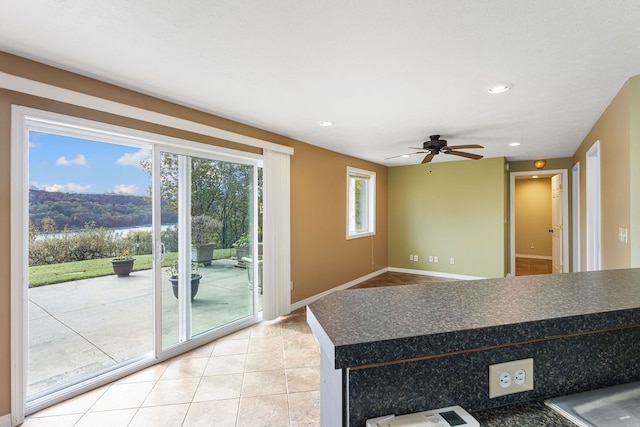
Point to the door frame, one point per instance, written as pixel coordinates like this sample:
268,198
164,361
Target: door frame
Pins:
593,212
575,214
565,215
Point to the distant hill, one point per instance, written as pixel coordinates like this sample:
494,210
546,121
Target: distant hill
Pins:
75,209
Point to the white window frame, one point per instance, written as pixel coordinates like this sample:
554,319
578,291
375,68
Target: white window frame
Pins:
369,228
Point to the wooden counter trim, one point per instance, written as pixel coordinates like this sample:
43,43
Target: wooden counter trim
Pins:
493,347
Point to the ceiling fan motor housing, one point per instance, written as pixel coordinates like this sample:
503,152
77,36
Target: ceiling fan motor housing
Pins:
435,144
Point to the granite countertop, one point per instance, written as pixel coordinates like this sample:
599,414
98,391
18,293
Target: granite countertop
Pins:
436,318
525,415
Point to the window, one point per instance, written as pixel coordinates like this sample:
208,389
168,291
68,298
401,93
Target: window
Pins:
361,203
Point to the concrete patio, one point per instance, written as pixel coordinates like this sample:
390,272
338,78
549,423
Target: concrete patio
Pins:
81,327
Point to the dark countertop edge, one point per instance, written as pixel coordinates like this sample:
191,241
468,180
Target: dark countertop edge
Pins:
353,355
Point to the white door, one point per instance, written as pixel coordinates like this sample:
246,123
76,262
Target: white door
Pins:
556,219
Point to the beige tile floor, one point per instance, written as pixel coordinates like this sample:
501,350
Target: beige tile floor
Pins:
265,375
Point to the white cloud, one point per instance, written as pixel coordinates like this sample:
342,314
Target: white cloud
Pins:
126,189
64,188
80,160
134,159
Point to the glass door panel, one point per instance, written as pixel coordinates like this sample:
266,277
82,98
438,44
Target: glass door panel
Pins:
208,210
169,219
222,217
88,311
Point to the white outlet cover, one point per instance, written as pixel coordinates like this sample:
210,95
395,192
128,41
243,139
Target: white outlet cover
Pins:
505,379
519,373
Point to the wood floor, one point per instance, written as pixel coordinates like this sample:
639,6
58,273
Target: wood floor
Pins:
524,267
391,278
531,266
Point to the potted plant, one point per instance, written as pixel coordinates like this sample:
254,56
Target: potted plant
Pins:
242,246
203,228
195,278
122,264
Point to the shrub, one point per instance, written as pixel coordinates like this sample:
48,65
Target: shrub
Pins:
54,248
170,239
203,228
135,238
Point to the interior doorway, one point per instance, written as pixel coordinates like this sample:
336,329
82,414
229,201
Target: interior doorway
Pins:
543,242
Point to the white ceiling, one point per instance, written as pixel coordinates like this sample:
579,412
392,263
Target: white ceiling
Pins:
387,73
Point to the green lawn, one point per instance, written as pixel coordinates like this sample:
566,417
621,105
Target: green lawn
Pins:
41,275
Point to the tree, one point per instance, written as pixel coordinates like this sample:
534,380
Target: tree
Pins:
221,190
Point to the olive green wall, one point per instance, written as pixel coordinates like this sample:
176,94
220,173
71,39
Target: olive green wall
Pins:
456,210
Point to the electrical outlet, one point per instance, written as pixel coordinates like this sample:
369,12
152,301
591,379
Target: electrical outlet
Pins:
430,258
510,377
435,259
532,246
415,258
452,260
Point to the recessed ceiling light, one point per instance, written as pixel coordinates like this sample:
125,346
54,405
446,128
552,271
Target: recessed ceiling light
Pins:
534,176
514,144
326,123
500,88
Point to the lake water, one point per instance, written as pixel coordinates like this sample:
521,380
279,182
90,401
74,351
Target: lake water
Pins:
119,231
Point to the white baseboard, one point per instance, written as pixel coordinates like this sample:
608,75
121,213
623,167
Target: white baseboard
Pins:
435,273
533,256
307,301
5,420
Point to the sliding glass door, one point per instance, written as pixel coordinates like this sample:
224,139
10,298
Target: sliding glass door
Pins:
207,211
133,247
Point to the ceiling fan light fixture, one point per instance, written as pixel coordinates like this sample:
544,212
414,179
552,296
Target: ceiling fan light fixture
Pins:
500,88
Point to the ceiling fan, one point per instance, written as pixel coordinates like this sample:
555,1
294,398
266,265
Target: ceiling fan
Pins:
435,145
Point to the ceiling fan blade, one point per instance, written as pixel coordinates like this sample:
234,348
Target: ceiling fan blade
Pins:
428,158
463,154
455,147
406,155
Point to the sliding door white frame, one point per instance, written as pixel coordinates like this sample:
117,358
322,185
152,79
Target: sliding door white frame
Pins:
19,235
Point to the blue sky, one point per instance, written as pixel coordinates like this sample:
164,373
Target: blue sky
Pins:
65,164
